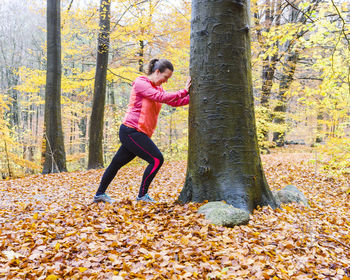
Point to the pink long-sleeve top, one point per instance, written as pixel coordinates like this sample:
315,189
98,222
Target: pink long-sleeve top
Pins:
145,103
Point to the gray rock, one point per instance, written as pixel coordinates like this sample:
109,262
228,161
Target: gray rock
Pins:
293,188
222,214
275,194
204,209
291,194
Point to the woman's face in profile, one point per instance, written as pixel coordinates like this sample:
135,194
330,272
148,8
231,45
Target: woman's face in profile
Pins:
160,78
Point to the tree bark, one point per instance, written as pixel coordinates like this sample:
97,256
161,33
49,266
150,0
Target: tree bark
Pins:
223,157
97,114
55,156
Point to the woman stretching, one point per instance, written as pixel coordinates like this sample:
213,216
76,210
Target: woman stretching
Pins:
139,124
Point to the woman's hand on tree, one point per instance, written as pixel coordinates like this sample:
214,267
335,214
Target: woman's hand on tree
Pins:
188,84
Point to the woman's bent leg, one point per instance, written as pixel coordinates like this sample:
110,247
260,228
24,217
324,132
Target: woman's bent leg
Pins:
142,146
122,157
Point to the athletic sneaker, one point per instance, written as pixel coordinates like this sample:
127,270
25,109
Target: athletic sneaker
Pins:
145,198
103,198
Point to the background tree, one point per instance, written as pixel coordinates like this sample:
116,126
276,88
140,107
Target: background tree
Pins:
55,156
97,113
267,20
167,36
223,156
289,60
316,99
15,53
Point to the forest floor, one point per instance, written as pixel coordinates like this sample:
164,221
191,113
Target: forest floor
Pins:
50,230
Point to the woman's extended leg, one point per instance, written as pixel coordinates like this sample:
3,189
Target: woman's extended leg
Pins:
122,157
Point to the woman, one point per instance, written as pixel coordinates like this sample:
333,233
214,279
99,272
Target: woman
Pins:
139,124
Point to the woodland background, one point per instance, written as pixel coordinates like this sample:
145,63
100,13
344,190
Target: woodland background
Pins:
49,229
300,61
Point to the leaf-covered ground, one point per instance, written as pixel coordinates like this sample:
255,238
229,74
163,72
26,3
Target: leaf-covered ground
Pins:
49,229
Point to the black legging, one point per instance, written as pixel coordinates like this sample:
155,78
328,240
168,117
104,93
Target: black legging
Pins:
134,143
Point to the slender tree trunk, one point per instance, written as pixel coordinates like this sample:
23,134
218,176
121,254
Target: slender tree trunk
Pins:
71,136
269,62
55,156
223,157
8,160
271,18
37,114
170,133
269,66
97,114
82,135
267,77
288,69
111,95
319,131
14,112
281,107
141,55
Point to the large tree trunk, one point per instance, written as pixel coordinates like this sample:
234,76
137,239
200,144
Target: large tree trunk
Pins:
223,157
55,156
97,114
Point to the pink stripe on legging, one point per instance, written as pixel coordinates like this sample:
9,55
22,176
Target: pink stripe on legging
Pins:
156,162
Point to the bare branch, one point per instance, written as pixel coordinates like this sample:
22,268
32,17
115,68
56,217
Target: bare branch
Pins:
125,11
309,78
120,76
296,8
343,21
70,5
179,11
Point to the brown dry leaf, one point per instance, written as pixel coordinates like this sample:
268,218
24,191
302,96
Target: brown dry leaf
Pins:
50,220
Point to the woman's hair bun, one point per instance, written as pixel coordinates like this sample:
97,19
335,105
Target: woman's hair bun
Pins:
151,66
153,61
160,64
